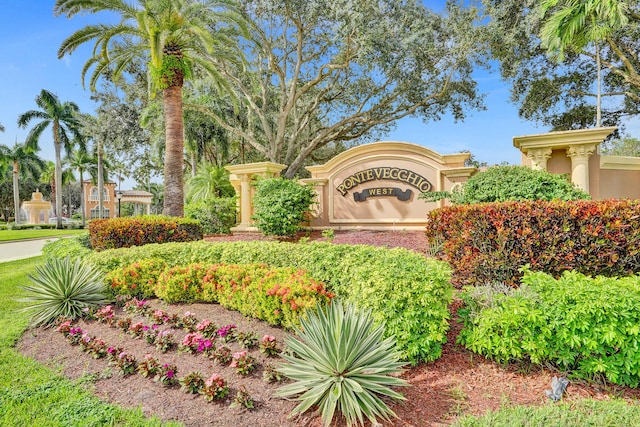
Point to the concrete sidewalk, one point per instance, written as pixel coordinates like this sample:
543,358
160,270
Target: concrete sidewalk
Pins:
12,251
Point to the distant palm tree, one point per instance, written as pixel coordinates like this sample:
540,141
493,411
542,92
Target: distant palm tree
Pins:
64,121
25,163
82,162
210,181
176,35
574,24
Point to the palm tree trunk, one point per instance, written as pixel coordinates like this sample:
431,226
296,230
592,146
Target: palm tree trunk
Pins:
58,180
599,92
16,194
82,199
100,183
174,134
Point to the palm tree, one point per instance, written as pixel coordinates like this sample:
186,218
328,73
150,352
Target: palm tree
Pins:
81,161
64,121
24,162
574,24
176,35
210,181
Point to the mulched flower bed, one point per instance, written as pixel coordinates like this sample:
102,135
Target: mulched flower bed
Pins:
457,383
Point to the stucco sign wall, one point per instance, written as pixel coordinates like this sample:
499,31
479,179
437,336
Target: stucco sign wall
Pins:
377,185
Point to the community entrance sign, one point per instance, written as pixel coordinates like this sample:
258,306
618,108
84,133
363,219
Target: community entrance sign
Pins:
372,186
377,185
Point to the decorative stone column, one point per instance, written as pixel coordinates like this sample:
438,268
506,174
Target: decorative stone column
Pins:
579,145
539,157
580,155
241,178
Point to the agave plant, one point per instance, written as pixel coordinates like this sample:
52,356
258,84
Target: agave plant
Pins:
341,361
62,288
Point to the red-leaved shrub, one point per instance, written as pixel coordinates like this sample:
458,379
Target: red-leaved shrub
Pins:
138,231
491,242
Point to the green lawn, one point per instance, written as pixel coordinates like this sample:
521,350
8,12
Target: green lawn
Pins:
32,394
6,235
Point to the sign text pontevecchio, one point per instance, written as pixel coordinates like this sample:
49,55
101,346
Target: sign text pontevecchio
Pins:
384,173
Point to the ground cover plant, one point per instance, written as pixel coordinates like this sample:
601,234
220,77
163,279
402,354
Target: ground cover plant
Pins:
458,383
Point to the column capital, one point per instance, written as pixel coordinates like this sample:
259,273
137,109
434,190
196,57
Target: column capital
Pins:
581,151
539,157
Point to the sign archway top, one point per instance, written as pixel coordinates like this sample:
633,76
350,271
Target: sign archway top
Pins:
389,148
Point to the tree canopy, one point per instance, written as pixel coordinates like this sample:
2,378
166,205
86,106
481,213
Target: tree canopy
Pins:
320,73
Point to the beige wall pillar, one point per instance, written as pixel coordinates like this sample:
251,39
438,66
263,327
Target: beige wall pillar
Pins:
241,177
580,155
539,157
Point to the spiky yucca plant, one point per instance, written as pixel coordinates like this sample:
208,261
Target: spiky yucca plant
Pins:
341,361
62,288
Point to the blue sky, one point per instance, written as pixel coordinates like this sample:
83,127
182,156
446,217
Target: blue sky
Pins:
31,36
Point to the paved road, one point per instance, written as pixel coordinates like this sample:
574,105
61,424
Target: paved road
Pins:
12,251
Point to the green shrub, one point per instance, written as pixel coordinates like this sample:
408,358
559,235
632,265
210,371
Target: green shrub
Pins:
402,288
590,327
487,243
138,231
180,284
61,288
278,296
72,247
217,215
280,206
138,279
342,362
504,183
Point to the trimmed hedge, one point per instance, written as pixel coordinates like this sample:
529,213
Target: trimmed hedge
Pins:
72,247
138,231
138,279
590,326
491,242
402,288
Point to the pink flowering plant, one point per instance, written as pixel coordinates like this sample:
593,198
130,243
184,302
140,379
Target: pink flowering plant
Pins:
188,322
75,335
137,306
160,317
227,333
190,342
149,367
207,329
167,374
150,334
64,328
215,387
192,383
165,341
95,347
126,364
105,315
269,346
113,352
243,363
136,330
